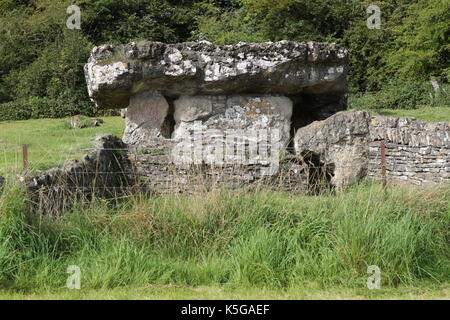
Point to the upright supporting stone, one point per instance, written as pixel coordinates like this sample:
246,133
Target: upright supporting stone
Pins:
145,118
247,117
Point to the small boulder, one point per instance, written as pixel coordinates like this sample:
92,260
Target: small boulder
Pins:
80,122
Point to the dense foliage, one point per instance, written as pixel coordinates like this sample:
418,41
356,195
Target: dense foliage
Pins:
41,60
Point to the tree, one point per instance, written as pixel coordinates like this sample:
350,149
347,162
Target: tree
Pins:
421,47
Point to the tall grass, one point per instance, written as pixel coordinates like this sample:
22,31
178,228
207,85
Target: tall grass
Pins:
228,238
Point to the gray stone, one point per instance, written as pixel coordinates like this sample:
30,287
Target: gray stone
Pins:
81,122
103,172
115,73
417,152
190,108
340,142
145,118
242,115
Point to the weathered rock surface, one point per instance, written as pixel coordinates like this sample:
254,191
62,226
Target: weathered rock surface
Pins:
246,117
340,142
146,118
417,152
115,73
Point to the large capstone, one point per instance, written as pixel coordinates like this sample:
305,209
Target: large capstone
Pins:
314,70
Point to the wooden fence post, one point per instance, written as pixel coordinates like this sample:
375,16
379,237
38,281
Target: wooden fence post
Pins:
25,159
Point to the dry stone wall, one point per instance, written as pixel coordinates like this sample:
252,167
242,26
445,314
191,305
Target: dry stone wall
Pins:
102,172
158,174
417,152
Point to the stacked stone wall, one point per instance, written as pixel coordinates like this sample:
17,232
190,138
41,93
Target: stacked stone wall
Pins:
417,152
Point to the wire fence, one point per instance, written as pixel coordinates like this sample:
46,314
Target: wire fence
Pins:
55,188
27,167
65,153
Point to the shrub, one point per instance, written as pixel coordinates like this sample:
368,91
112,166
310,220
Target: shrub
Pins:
36,107
400,94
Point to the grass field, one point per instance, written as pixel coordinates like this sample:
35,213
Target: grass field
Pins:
426,114
424,291
232,245
220,244
50,141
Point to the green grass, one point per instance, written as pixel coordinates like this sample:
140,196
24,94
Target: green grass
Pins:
171,292
292,246
434,114
50,141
